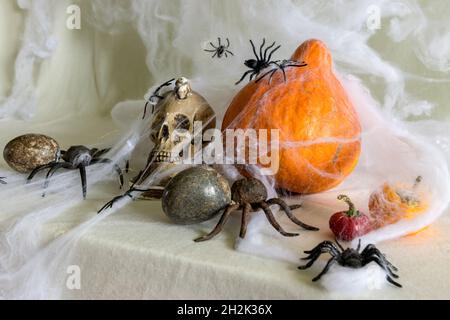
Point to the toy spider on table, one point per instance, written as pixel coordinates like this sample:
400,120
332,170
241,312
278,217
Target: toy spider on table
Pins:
156,97
76,157
2,180
220,49
250,194
263,60
350,258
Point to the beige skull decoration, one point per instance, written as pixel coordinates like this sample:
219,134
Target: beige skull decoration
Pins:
172,122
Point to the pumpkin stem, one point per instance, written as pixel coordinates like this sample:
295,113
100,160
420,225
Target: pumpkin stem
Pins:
351,212
417,181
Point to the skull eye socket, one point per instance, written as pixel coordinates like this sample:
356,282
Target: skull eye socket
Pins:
182,122
165,132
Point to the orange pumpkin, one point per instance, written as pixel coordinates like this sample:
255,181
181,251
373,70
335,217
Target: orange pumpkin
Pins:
392,203
319,128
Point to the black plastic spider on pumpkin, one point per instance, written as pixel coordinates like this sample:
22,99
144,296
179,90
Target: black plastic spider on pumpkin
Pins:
156,96
221,49
2,180
281,66
261,62
76,157
250,194
350,258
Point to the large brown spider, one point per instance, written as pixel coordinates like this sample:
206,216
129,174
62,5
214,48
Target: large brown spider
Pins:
250,194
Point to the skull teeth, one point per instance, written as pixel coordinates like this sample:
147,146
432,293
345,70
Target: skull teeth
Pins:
163,156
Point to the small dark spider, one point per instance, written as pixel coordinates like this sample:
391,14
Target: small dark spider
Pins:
220,50
281,66
156,97
350,258
2,180
250,194
76,157
262,61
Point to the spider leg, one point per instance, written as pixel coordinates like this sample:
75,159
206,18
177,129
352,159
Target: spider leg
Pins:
271,53
359,245
110,203
312,259
220,224
265,74
51,172
288,212
243,76
230,52
244,220
381,264
375,252
325,246
145,109
214,54
101,152
40,168
254,49
218,38
225,53
325,270
209,50
340,246
314,256
388,271
295,206
273,222
267,49
253,75
284,73
260,49
212,45
228,43
82,170
116,167
273,73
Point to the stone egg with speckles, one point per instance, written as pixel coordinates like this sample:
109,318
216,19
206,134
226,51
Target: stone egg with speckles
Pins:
27,152
195,195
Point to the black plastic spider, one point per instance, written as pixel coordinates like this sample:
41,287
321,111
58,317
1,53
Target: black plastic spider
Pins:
2,180
281,66
262,61
250,195
156,95
350,258
76,157
220,50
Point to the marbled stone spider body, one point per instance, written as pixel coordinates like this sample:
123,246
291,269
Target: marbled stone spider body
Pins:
76,158
249,195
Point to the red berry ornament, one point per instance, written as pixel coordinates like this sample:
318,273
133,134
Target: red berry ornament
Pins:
350,224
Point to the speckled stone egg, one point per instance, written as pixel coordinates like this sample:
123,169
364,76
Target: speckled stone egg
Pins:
29,151
196,194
